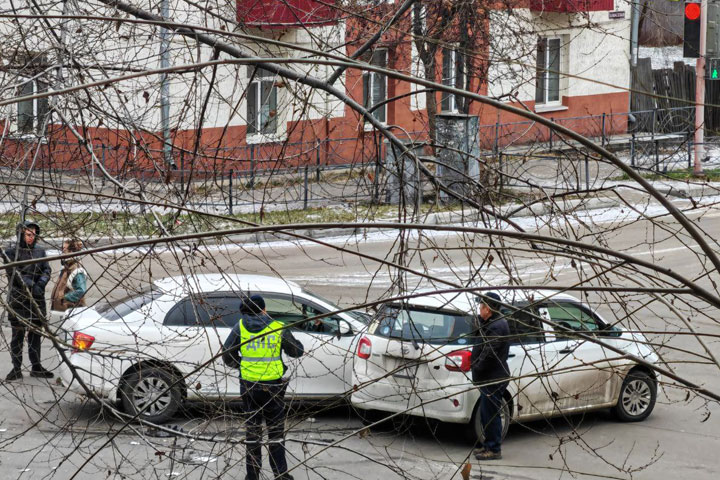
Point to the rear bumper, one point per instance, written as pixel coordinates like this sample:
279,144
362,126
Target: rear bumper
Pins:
453,404
100,375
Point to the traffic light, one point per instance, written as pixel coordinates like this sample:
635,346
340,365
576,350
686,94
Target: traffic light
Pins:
712,72
691,32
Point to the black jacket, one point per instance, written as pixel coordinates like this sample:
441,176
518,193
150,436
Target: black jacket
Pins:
490,353
27,282
255,323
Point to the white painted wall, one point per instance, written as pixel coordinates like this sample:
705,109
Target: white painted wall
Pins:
596,51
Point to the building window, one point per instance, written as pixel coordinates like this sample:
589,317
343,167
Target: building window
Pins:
453,75
547,88
261,102
375,85
31,114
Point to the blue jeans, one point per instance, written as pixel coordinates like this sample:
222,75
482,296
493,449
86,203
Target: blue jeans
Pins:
264,401
491,398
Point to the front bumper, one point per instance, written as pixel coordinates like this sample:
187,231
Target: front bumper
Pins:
453,404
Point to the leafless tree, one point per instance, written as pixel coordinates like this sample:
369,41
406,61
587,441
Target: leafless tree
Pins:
249,171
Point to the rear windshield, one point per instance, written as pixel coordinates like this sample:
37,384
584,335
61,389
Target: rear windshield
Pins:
132,302
424,325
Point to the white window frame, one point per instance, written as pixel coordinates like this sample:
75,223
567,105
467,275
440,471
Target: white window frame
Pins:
258,124
370,80
40,107
457,75
542,93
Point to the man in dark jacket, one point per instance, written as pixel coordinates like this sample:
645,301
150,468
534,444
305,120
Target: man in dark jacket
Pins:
490,370
27,312
255,345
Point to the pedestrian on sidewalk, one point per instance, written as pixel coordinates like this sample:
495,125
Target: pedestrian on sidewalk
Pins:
255,345
69,291
27,311
490,370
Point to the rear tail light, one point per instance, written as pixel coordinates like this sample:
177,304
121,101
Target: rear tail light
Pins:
458,361
364,348
82,341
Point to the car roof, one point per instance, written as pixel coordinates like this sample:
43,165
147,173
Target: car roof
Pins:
467,302
222,282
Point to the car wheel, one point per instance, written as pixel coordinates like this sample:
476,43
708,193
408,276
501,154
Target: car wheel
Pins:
476,432
154,392
637,397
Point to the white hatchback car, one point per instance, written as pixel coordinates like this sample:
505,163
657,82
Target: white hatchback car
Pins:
159,347
415,359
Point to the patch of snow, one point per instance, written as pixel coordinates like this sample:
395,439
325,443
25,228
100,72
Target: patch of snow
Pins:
664,57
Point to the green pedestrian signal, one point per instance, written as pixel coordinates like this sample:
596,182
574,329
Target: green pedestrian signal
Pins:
713,69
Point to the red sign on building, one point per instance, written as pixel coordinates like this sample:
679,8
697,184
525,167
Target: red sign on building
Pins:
279,14
571,6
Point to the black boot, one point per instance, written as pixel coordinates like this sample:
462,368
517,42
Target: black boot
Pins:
15,374
40,372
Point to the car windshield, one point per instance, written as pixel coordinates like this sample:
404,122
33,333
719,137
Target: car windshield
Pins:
128,304
425,324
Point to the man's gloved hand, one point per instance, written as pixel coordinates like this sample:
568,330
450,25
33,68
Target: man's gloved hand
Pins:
38,291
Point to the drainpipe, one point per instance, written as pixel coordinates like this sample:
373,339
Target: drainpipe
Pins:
165,86
634,31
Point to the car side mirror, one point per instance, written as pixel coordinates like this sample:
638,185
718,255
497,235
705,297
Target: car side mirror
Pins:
343,329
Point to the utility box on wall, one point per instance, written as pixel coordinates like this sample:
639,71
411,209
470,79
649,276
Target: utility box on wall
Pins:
458,150
403,176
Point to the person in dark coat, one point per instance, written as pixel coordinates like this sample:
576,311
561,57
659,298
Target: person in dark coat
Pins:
27,311
490,370
254,346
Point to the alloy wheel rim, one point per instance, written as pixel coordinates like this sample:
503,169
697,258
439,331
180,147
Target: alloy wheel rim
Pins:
636,397
153,393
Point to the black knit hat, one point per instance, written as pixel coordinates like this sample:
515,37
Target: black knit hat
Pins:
254,305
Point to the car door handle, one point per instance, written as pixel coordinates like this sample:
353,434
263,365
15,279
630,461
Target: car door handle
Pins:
567,350
511,355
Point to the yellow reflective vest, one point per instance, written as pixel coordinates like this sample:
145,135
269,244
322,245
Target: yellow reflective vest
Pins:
260,353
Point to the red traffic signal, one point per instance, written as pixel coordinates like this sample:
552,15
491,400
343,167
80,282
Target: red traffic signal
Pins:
691,30
692,11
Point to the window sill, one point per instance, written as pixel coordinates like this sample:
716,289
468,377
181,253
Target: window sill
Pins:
257,138
27,137
550,108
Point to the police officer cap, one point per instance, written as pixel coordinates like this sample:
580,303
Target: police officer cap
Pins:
255,304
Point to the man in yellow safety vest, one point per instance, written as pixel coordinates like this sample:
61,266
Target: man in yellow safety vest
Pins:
255,345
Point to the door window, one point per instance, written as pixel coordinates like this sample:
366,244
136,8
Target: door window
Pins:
572,317
525,327
213,311
299,314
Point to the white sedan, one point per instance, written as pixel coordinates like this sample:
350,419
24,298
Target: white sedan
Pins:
161,346
415,359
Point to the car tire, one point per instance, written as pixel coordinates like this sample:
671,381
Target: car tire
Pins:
153,391
637,397
475,431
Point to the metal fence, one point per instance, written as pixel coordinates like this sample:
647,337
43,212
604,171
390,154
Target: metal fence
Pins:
306,174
